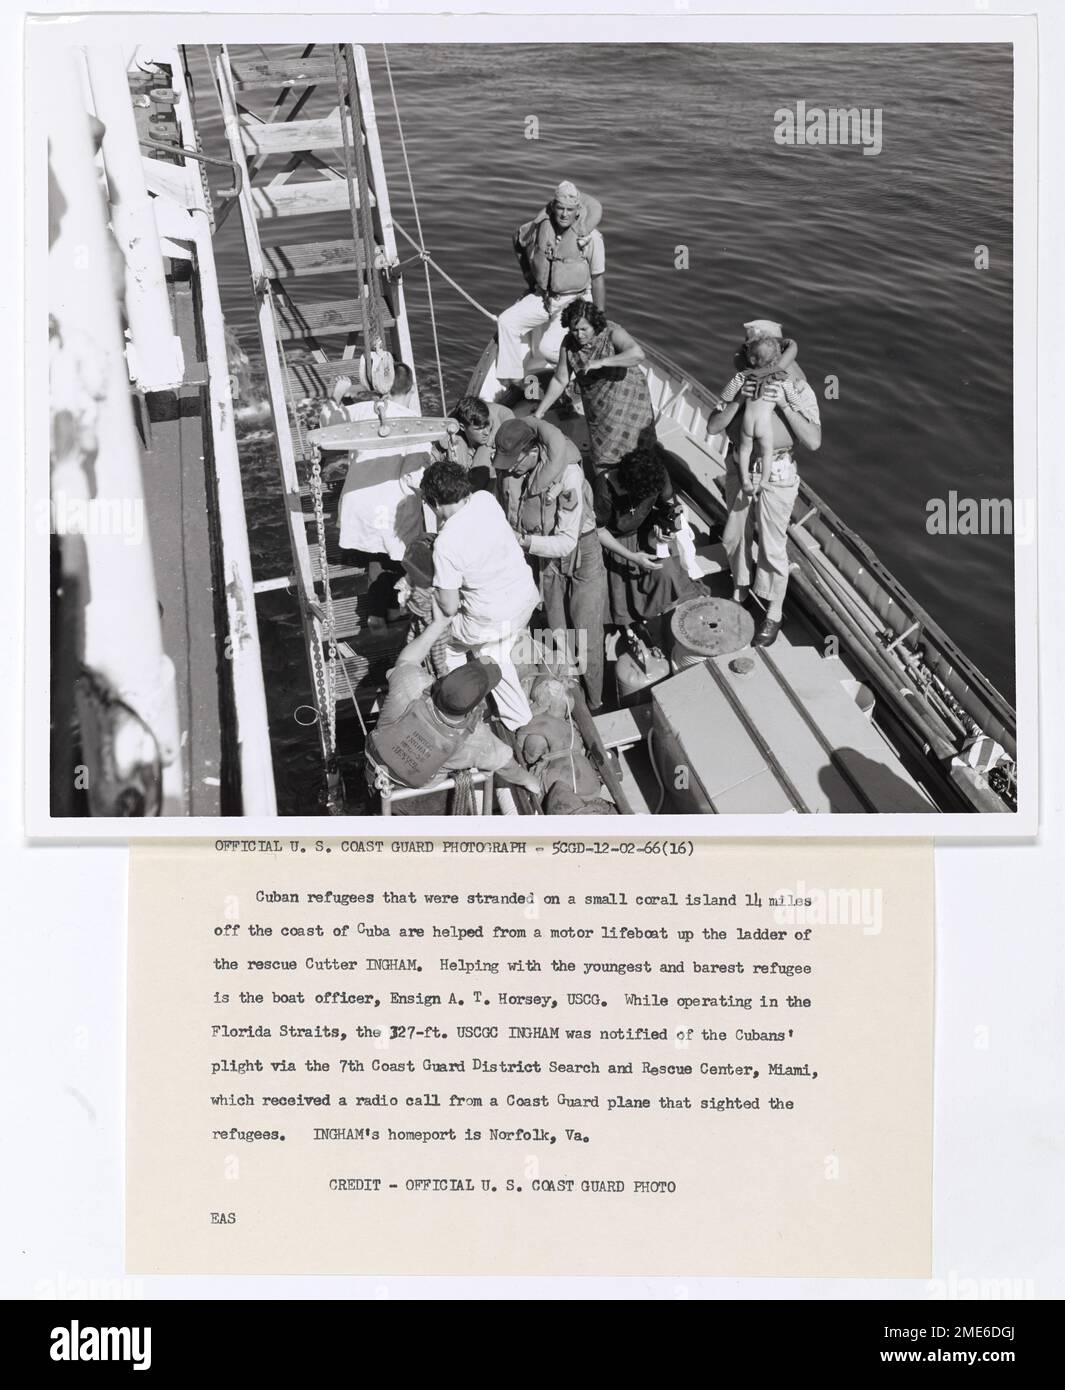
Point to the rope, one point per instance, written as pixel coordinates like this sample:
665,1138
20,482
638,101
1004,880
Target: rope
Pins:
373,280
424,256
418,225
463,803
350,175
572,742
354,701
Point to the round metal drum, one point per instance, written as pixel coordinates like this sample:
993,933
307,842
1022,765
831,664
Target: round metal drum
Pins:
704,627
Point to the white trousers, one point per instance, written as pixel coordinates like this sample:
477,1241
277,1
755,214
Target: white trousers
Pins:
513,707
524,318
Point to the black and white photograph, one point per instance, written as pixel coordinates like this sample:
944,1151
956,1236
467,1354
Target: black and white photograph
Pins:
436,426
534,429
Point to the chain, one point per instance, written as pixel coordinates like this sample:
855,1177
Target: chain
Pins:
325,679
320,687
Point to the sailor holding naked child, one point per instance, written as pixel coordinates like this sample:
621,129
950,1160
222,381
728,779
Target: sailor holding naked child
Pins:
766,409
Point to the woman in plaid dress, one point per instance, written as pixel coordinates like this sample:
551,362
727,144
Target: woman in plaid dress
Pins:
604,361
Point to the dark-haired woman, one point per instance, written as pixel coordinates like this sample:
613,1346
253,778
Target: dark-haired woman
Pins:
604,361
639,515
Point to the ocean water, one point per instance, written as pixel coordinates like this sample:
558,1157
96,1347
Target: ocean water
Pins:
868,261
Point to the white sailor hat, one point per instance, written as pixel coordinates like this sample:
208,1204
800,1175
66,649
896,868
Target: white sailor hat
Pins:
763,328
567,195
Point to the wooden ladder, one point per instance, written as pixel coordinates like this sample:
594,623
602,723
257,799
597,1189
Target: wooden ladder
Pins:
292,177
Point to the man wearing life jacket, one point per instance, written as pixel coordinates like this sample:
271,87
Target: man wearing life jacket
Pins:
562,257
429,728
548,501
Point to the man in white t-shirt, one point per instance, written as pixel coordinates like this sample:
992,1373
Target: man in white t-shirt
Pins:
481,579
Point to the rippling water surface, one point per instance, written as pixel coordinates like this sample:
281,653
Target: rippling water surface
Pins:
867,261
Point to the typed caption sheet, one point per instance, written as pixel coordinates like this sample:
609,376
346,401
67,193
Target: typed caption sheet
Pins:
636,1057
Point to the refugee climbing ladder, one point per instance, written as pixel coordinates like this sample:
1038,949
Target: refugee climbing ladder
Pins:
301,172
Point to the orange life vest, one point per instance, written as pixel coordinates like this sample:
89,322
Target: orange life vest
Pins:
559,262
415,748
530,509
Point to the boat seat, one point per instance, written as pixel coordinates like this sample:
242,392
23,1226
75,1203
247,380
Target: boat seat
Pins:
784,735
711,760
859,747
797,754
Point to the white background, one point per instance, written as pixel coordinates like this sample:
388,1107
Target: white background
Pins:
1000,1023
